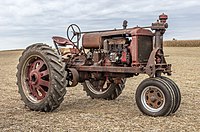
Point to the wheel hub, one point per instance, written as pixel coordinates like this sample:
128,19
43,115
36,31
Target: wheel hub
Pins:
34,77
153,98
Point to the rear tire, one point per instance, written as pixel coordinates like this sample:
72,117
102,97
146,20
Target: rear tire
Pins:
155,97
41,78
111,92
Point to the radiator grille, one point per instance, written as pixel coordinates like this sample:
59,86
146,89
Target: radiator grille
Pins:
145,46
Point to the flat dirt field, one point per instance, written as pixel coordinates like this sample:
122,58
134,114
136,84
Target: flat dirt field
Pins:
80,113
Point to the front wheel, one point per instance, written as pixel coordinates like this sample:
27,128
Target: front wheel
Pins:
104,89
155,97
176,92
41,78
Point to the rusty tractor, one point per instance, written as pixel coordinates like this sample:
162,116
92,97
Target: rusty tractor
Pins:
101,64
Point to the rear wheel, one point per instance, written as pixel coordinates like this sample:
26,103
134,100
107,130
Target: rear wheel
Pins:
155,97
104,89
41,78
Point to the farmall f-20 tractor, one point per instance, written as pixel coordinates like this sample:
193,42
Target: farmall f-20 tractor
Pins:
101,64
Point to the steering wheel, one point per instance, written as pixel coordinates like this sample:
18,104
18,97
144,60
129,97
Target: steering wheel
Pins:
73,33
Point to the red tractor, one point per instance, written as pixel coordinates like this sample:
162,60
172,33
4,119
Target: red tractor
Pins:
101,64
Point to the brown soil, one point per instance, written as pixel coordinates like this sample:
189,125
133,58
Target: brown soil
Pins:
80,113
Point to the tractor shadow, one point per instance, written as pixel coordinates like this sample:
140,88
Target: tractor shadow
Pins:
121,105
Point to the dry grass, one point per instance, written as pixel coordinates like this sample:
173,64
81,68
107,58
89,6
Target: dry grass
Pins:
182,43
80,113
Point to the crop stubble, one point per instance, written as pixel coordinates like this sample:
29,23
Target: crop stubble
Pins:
80,113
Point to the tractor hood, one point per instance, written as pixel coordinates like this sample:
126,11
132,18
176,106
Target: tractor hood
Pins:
95,39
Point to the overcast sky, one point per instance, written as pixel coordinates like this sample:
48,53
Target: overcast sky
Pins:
23,22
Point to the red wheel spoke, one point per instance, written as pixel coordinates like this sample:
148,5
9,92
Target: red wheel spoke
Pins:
33,90
39,65
33,66
43,83
42,92
44,73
